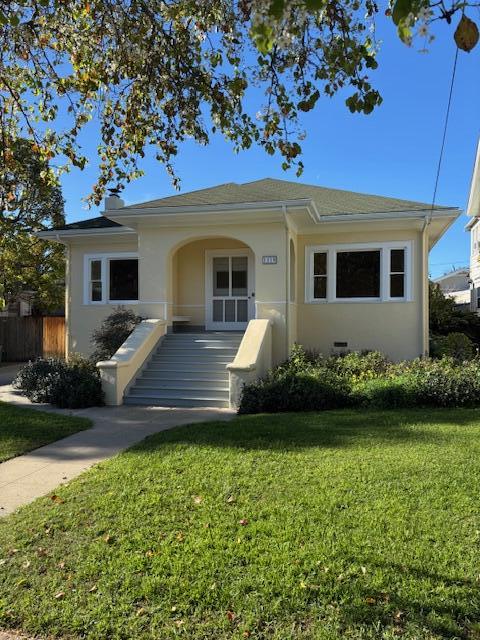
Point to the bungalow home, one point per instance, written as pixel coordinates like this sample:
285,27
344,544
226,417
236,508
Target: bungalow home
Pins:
229,277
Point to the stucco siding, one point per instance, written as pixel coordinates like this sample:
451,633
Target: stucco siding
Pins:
172,282
394,328
83,319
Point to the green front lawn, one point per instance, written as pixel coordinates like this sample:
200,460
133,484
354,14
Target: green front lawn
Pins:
324,526
22,430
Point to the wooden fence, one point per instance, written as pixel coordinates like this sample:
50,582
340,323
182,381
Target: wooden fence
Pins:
28,338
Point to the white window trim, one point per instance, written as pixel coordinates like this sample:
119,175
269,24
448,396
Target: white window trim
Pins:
105,260
332,249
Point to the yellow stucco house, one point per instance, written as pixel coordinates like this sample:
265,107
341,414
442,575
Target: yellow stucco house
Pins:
229,277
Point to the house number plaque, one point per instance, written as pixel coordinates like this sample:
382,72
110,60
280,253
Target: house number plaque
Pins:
269,259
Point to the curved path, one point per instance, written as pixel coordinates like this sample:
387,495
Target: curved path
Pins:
35,474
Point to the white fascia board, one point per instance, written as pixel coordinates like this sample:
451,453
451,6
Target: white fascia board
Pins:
390,215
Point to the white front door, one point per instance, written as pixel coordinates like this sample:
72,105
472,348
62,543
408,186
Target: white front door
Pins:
229,289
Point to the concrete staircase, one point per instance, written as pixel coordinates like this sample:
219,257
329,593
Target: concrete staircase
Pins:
187,370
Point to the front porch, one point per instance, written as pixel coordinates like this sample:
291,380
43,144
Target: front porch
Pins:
213,286
220,317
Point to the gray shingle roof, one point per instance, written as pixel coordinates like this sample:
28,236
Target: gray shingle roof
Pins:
328,201
92,223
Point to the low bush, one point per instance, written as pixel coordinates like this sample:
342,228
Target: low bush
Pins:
455,345
363,380
384,393
113,332
356,365
445,382
74,384
295,392
38,379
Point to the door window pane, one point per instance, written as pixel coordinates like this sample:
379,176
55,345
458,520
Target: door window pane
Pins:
358,274
242,311
240,276
221,277
218,310
229,310
124,279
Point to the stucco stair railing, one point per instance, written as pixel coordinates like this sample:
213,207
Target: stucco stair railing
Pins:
253,359
123,367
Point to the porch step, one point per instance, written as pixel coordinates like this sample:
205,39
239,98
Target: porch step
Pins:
182,385
187,370
153,401
202,374
192,366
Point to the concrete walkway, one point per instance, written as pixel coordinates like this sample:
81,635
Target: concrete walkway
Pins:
8,371
37,473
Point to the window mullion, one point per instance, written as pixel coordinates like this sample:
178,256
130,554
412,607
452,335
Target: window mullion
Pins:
331,275
312,276
385,259
105,280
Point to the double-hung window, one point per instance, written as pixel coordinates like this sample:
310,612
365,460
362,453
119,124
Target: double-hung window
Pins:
111,278
368,272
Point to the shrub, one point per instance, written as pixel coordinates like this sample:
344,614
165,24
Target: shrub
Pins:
295,392
445,383
39,379
359,365
455,345
385,393
446,317
363,380
113,332
73,385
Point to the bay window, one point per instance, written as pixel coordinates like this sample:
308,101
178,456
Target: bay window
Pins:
111,278
375,272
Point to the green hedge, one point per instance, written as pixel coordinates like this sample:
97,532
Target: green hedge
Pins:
72,385
309,382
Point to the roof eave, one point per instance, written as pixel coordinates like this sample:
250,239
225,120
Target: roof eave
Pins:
62,235
391,215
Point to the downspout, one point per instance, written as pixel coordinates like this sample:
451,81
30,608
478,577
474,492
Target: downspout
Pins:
425,296
287,283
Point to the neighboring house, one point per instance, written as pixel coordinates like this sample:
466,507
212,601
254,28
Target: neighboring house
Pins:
456,285
332,270
20,307
473,226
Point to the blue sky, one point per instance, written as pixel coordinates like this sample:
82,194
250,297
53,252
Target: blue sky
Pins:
392,152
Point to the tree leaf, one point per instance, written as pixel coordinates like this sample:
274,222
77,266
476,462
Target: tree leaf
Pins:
401,9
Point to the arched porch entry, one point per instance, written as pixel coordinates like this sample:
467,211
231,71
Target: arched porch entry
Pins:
213,284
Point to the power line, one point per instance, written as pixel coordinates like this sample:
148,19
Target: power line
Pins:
450,262
445,127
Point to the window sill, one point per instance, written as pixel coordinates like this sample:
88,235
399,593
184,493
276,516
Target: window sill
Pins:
105,303
358,301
